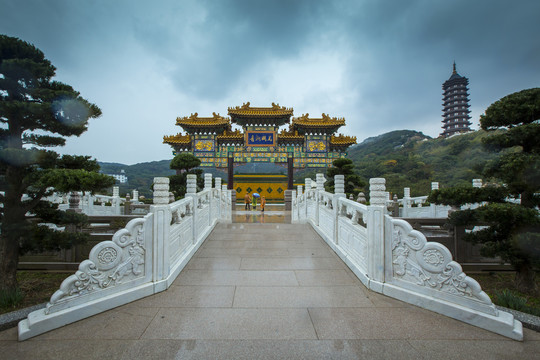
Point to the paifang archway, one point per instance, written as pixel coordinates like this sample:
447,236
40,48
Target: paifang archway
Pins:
306,143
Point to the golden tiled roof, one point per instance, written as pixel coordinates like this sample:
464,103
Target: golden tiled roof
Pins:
342,140
246,109
195,120
324,121
292,135
227,134
177,139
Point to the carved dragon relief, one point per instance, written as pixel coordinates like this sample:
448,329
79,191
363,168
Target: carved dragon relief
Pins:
430,264
109,264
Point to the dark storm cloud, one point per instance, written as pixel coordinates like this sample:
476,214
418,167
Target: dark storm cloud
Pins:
378,63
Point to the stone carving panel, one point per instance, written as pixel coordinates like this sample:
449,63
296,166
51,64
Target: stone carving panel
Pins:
110,263
429,264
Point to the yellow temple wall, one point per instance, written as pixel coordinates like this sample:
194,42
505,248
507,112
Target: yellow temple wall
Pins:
272,187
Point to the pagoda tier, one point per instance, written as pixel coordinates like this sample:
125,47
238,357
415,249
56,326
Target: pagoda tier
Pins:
325,125
246,115
455,105
195,124
179,142
341,142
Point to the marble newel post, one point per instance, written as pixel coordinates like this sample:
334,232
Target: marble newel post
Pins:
191,191
375,230
74,201
207,181
406,201
339,192
161,229
433,207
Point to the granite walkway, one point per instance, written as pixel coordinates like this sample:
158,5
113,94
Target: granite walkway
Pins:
268,291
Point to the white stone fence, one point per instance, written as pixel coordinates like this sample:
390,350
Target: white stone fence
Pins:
142,259
415,207
391,258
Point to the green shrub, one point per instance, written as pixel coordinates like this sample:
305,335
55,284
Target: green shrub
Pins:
10,298
510,300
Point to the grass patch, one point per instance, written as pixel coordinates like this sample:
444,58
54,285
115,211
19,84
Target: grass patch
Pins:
11,299
502,290
35,287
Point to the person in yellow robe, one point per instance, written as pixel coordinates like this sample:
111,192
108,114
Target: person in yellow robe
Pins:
263,202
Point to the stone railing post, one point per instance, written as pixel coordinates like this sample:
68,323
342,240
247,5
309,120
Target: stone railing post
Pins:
307,182
339,192
375,230
207,181
319,181
191,191
218,187
127,205
161,228
135,197
74,201
433,207
406,201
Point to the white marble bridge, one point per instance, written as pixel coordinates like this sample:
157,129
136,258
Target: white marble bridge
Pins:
343,280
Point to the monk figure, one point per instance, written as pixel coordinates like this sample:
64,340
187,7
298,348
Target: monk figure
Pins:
247,201
263,203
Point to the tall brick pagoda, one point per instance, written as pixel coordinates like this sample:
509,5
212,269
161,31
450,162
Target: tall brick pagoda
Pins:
456,105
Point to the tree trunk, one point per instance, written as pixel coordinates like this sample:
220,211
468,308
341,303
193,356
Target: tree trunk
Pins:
525,279
12,228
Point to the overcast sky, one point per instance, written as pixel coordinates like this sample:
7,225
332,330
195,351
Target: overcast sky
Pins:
378,63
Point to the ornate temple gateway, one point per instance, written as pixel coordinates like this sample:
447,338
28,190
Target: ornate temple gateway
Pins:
306,143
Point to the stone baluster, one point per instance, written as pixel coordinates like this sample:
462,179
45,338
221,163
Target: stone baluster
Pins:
406,201
207,181
433,207
375,232
135,196
116,191
74,200
339,184
191,184
161,190
361,198
218,183
377,193
307,181
299,190
320,182
161,230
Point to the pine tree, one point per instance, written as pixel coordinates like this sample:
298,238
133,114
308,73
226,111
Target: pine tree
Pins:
184,164
344,166
36,113
513,231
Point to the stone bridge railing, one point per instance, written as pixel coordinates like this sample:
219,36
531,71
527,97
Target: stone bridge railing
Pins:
142,259
391,258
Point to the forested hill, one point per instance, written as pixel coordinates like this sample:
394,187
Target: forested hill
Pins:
410,159
140,176
382,144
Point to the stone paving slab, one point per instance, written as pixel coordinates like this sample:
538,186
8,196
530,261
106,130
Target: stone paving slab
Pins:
300,297
293,263
268,301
